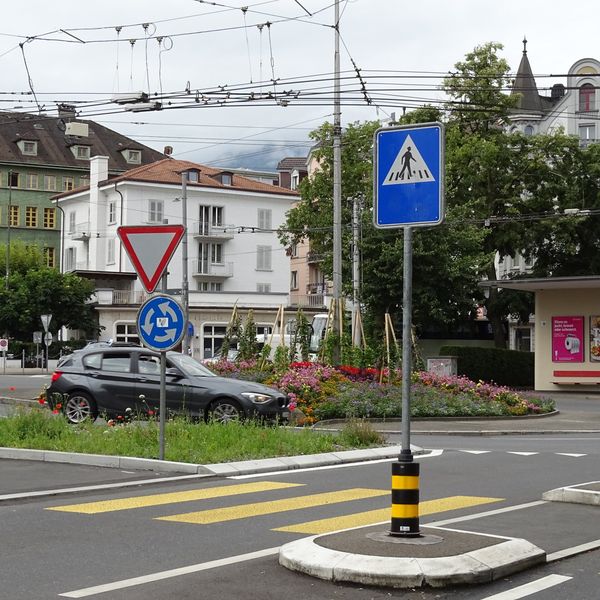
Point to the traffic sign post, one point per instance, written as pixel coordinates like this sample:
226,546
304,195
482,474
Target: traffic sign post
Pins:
4,349
408,191
161,326
46,321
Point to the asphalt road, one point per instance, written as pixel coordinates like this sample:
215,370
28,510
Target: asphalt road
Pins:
213,527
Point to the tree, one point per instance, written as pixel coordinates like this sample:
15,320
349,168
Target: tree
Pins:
33,289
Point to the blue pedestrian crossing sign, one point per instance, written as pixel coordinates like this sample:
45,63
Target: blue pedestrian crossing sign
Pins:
160,323
408,177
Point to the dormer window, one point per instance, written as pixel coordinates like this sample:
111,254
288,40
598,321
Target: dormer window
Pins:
226,178
27,147
133,157
81,152
587,98
193,175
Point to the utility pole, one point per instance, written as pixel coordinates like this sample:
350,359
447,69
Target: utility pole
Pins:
337,190
185,288
8,228
356,332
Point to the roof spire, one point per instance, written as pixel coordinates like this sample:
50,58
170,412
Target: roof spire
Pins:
524,44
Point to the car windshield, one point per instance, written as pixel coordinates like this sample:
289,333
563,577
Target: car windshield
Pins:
190,366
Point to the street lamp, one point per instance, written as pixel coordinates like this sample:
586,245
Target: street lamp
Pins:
185,288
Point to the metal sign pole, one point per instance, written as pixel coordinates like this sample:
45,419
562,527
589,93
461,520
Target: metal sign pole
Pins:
162,405
406,453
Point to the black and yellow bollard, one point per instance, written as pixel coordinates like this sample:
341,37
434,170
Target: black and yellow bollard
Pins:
405,499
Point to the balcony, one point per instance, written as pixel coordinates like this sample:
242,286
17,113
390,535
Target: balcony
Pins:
317,296
206,231
313,257
203,268
110,297
81,232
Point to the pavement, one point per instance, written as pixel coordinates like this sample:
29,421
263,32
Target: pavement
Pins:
440,556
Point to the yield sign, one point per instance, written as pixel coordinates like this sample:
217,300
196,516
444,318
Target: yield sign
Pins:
150,248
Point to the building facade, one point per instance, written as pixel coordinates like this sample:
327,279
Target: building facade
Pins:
234,256
41,156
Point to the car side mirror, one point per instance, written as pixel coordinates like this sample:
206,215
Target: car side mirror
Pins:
173,372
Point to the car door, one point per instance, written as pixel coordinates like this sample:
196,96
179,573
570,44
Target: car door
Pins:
111,380
179,392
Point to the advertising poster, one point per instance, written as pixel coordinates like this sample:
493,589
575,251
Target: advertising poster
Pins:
567,339
595,338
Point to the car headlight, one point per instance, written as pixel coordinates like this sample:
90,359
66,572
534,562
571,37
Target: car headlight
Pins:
256,398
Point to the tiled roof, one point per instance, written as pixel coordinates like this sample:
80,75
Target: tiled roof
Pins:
292,162
54,145
168,171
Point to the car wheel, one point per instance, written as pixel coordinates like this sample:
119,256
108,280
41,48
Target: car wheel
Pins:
225,411
80,407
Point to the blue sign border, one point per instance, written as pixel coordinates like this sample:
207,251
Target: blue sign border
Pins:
420,204
151,341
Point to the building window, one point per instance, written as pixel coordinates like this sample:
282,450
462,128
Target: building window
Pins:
13,216
126,332
14,179
587,134
295,181
31,181
81,152
263,288
226,179
70,258
264,218
84,180
112,212
71,222
31,216
528,130
68,183
133,156
28,148
210,286
216,254
587,98
49,218
212,339
155,211
294,280
50,257
50,183
294,251
110,251
263,258
193,176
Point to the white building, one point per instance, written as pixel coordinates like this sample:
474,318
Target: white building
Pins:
234,256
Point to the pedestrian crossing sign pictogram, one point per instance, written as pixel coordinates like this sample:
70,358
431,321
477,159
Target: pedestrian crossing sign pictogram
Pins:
408,178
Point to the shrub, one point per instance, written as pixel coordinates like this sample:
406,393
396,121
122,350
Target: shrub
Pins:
504,367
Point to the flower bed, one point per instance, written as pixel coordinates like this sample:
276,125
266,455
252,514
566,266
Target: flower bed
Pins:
323,392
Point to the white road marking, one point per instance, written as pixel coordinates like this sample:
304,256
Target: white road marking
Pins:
530,588
524,453
476,451
161,575
573,551
488,513
570,454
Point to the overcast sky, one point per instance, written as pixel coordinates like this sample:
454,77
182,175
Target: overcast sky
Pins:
204,45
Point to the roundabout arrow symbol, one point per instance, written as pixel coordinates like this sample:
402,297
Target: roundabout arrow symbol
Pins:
148,326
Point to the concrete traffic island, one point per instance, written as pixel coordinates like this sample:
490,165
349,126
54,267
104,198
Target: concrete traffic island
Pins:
584,493
439,558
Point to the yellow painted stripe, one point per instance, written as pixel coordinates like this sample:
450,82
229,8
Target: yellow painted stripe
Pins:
371,517
91,508
405,511
405,482
243,511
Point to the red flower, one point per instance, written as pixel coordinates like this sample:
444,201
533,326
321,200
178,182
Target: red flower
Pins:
12,388
120,417
150,412
55,411
41,401
58,406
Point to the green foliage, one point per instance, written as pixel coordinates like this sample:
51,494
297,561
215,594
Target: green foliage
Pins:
281,360
247,344
231,335
360,433
301,338
34,289
504,367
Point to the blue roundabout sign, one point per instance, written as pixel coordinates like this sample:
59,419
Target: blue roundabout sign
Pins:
161,323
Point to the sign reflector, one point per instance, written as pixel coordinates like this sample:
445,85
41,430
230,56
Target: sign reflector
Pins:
150,248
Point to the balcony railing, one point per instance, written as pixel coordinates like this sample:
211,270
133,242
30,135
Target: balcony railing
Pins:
109,297
81,232
203,268
308,300
313,257
206,230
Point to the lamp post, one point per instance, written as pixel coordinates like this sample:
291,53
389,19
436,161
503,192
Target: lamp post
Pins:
185,289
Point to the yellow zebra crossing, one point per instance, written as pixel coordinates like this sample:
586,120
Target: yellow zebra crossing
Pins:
256,509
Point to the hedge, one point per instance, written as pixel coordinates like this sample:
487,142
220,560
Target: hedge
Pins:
512,368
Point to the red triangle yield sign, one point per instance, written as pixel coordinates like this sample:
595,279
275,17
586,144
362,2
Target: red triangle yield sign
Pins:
150,248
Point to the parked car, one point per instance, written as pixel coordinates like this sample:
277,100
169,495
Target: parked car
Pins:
110,380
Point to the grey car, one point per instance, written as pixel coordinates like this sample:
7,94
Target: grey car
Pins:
121,381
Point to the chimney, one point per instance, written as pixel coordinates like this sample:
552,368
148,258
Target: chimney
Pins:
168,150
67,111
98,170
